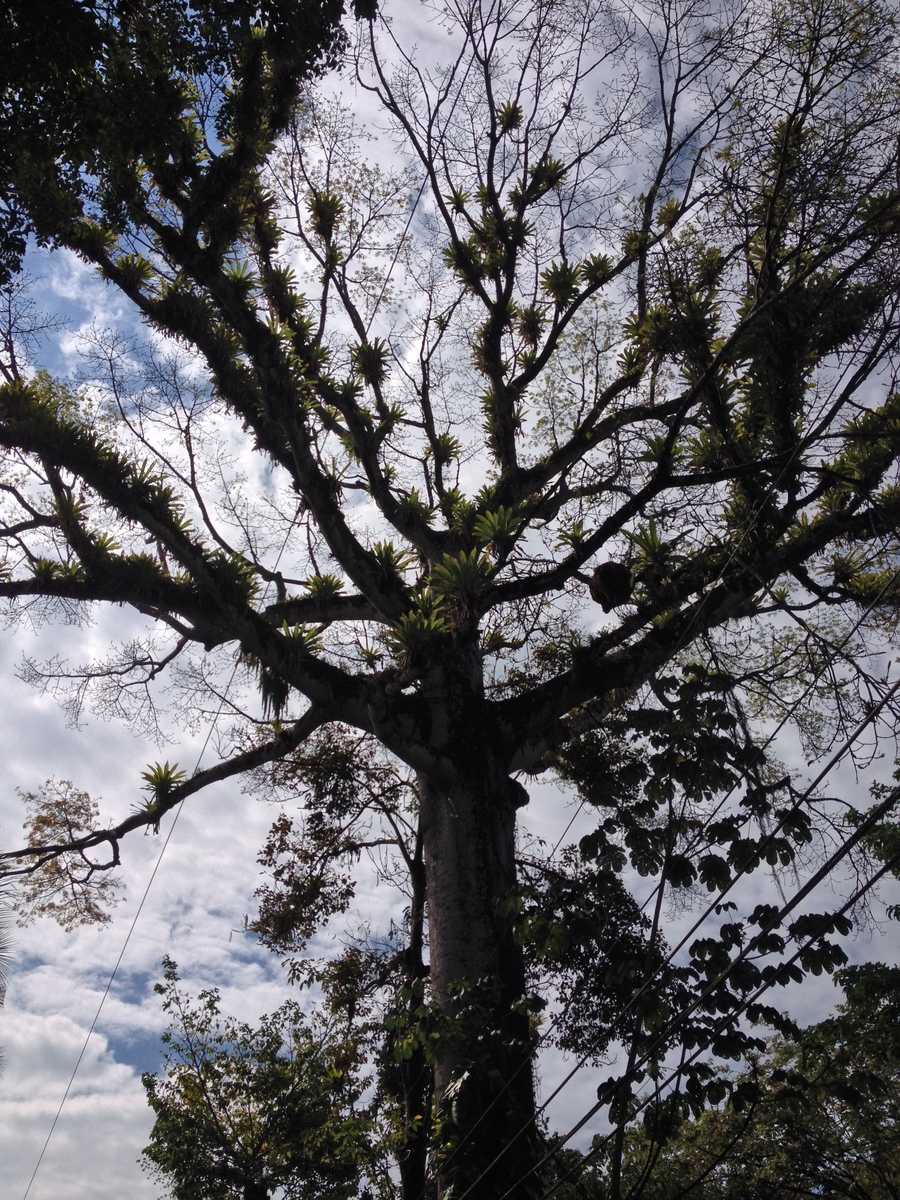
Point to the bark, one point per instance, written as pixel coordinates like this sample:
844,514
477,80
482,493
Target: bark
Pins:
484,1089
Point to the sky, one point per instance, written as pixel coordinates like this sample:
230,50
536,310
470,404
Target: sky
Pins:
195,906
194,912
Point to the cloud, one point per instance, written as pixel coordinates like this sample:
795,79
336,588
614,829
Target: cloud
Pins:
202,888
103,1125
200,892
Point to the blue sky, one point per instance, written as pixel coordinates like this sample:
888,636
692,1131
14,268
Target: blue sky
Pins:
201,892
202,889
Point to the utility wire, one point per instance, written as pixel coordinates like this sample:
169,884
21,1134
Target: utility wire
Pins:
720,896
118,962
846,846
146,892
409,220
889,865
131,928
684,639
860,832
546,1033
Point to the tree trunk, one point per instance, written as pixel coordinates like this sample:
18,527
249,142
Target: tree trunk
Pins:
484,1086
483,1081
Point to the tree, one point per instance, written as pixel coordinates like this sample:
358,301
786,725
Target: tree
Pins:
621,324
244,1112
819,1118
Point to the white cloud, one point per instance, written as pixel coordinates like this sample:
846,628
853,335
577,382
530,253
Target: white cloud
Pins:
102,1127
202,889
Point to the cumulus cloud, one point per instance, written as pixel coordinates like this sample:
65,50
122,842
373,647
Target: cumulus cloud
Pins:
200,892
101,1129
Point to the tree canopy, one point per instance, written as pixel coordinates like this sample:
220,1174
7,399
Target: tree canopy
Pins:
244,1112
820,1116
569,438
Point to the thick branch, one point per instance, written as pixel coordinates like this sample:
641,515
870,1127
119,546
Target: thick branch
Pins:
149,816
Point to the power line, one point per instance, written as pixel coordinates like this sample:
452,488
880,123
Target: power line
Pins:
657,890
889,865
146,892
672,1027
865,827
118,963
695,617
409,221
131,929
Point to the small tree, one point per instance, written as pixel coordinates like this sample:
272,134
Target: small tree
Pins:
244,1113
819,1116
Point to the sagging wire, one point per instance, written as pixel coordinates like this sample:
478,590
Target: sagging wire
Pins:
849,844
836,650
889,865
144,896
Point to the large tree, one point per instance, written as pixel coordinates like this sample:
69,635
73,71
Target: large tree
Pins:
619,326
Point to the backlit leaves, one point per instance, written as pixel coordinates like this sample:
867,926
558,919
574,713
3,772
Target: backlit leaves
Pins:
74,888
